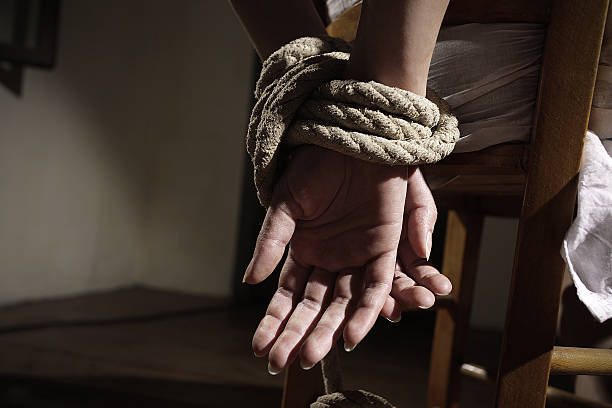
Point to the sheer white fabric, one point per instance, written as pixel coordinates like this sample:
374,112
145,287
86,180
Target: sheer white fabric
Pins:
488,73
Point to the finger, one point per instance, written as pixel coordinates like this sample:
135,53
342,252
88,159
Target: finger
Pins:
329,328
423,273
291,285
305,315
377,280
408,295
392,310
421,214
275,234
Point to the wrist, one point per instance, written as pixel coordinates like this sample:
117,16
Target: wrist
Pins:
395,41
411,77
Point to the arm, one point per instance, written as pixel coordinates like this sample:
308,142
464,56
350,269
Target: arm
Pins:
395,42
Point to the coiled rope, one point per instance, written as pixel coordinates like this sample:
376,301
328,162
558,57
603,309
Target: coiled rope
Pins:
300,100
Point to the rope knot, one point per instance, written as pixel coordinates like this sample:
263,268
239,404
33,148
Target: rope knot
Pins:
301,100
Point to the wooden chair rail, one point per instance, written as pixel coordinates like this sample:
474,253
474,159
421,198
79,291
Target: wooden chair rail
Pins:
565,361
576,361
555,397
503,159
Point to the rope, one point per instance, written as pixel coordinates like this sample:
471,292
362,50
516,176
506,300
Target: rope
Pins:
351,399
332,375
334,396
300,100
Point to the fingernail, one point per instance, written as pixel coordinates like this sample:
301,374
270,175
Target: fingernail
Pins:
394,321
424,307
428,245
272,370
247,270
306,367
348,347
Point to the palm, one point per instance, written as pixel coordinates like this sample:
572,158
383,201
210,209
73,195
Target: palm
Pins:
351,214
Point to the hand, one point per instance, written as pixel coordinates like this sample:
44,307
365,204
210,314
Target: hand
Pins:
347,214
344,219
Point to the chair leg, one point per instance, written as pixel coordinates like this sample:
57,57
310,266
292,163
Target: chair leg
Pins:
533,305
461,250
573,39
301,387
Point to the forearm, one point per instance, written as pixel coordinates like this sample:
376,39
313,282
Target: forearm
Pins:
395,42
273,23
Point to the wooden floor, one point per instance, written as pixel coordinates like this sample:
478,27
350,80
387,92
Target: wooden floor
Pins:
141,346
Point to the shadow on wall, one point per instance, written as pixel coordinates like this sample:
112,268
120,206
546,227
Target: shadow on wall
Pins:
123,165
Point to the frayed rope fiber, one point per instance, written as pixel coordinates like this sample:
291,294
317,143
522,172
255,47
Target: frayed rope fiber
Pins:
351,399
301,100
335,396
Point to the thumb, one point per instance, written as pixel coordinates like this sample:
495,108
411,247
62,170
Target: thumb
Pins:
275,234
420,209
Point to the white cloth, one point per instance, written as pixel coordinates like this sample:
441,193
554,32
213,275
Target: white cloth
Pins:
587,248
488,74
333,8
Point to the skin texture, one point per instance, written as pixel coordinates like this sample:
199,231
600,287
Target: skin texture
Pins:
359,233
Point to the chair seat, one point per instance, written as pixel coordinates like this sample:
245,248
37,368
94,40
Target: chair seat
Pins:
508,159
496,170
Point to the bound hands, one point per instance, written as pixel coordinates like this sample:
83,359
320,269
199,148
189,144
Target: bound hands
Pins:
359,233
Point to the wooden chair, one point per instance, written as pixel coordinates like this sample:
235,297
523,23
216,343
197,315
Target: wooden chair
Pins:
535,182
